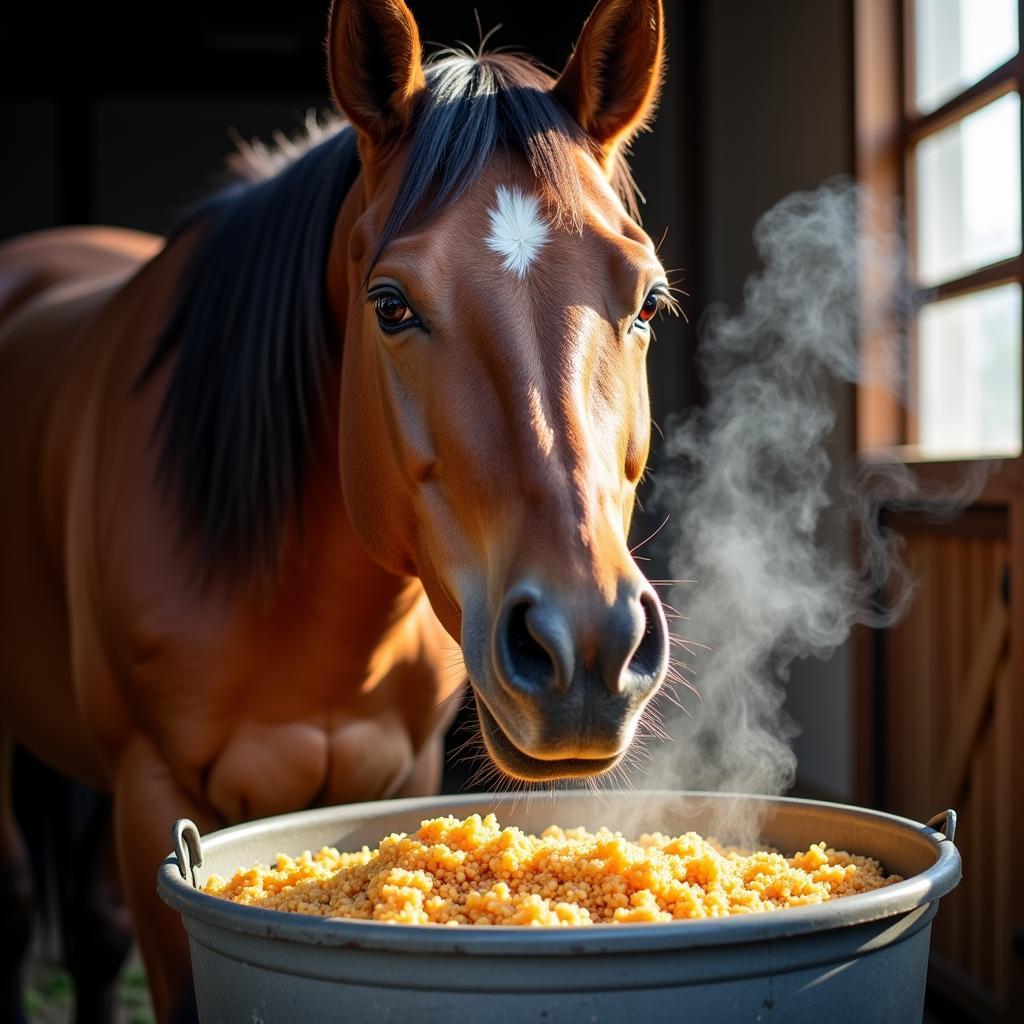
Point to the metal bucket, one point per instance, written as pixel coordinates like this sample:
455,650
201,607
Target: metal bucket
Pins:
859,958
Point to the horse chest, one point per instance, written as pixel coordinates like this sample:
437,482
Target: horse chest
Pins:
270,768
300,740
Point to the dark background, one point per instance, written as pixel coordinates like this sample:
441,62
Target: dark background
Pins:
120,114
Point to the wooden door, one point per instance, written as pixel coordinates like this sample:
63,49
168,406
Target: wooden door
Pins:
942,728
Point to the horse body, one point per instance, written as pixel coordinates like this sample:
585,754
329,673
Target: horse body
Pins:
421,450
116,667
98,561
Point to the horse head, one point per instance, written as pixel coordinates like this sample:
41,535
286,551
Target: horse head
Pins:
496,297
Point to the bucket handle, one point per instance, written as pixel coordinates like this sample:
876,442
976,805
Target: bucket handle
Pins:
944,822
188,849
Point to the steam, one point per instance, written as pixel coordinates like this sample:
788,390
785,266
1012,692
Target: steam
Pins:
745,481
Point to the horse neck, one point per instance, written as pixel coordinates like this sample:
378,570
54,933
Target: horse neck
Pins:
327,579
327,563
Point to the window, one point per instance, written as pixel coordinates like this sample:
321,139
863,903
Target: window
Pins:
939,124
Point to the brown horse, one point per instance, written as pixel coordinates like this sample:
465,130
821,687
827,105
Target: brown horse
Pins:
389,396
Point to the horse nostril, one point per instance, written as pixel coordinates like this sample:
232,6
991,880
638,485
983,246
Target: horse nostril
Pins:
526,656
534,649
650,656
633,644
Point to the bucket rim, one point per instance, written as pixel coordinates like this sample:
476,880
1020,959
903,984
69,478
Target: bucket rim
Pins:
899,898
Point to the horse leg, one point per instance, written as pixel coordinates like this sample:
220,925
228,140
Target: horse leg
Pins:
97,930
15,894
147,802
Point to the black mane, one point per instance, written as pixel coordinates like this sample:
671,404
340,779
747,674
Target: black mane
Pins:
248,326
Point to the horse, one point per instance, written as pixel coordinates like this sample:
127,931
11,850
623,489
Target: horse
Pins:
367,425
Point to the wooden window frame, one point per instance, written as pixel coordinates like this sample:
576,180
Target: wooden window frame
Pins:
883,131
888,127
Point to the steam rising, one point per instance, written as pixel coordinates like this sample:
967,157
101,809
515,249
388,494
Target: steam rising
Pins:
745,480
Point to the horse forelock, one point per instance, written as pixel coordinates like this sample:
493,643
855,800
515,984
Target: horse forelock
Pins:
248,327
480,104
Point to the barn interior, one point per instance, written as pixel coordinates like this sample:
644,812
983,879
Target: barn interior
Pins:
124,116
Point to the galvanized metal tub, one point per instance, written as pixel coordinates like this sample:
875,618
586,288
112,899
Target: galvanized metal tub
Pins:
860,958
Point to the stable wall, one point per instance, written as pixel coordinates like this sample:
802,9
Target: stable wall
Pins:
777,117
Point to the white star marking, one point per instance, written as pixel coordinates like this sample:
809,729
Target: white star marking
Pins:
517,230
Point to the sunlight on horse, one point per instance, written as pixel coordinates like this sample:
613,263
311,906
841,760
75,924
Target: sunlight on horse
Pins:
385,402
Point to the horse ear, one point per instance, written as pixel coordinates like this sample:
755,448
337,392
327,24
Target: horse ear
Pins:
374,64
611,83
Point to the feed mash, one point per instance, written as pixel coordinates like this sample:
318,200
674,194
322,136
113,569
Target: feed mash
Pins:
474,872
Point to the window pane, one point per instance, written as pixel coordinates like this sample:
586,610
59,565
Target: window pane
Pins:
968,192
958,42
968,373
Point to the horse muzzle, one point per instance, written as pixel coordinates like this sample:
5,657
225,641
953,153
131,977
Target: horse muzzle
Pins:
568,678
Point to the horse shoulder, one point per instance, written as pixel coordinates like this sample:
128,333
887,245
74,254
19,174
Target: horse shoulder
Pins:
49,353
143,646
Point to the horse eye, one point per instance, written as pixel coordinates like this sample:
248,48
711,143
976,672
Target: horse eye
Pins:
391,309
649,308
393,312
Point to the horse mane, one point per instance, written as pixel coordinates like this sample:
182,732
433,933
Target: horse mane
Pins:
237,424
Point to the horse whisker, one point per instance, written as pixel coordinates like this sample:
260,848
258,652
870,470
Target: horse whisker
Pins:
651,536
